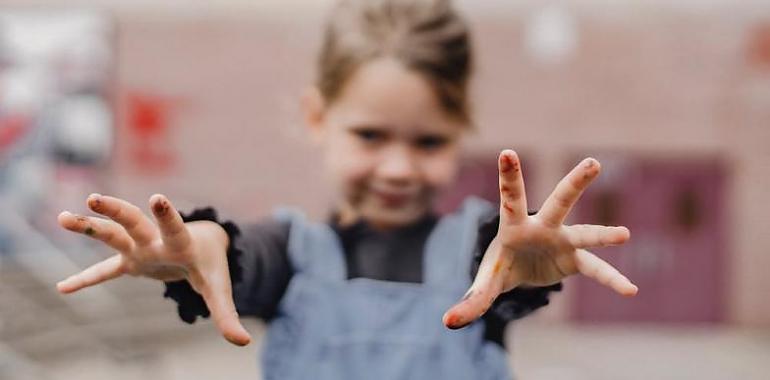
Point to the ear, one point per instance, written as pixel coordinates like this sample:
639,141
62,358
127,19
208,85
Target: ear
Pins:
313,110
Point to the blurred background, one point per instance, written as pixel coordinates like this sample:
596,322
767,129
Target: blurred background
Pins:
200,100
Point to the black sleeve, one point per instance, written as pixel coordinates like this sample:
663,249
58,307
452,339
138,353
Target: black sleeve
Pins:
258,264
266,268
511,305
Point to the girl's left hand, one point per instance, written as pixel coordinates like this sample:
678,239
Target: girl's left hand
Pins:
539,250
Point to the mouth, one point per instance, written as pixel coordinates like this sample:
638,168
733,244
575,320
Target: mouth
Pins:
392,199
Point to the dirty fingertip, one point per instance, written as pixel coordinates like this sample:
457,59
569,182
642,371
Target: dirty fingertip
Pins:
454,320
240,339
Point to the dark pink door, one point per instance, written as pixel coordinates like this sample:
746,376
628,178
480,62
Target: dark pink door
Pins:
676,213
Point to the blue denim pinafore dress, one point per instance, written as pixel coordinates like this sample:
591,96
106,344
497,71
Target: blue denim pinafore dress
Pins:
331,328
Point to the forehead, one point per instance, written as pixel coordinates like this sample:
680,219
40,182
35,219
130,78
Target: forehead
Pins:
383,92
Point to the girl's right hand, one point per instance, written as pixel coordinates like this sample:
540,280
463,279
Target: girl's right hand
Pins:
168,251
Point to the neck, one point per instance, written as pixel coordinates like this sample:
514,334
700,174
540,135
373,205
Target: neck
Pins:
346,216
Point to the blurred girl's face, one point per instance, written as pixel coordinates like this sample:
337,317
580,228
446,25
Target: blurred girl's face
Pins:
388,144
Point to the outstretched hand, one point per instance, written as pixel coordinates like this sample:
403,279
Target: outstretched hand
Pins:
168,251
539,250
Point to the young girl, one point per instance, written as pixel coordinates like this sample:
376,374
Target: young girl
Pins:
364,295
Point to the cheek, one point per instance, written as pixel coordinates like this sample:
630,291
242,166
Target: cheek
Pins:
347,163
440,170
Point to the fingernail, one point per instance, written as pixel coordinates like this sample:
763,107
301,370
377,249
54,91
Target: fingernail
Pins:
94,201
160,207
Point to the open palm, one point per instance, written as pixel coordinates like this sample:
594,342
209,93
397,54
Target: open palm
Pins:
539,250
169,250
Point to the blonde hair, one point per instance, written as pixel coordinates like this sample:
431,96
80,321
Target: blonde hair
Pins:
427,36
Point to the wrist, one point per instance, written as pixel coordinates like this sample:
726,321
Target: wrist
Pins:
209,234
205,229
209,248
217,236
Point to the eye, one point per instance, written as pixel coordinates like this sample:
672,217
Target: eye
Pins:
431,142
370,135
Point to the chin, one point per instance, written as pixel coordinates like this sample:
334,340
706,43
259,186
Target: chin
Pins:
392,218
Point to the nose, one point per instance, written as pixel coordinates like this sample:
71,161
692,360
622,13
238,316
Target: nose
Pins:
397,164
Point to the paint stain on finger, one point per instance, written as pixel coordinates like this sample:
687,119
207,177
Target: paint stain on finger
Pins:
161,207
510,193
89,231
455,322
95,204
497,267
591,169
508,165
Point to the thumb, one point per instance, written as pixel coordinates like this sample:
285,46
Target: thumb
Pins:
472,306
487,285
217,293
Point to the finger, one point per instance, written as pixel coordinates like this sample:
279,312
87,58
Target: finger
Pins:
172,229
513,200
138,226
95,274
486,287
106,231
589,235
592,266
217,293
567,192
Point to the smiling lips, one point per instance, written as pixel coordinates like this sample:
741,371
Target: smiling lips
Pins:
392,199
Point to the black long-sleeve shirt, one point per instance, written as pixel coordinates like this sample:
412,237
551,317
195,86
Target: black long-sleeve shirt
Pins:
260,269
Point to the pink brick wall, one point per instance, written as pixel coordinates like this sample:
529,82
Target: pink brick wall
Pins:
655,82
